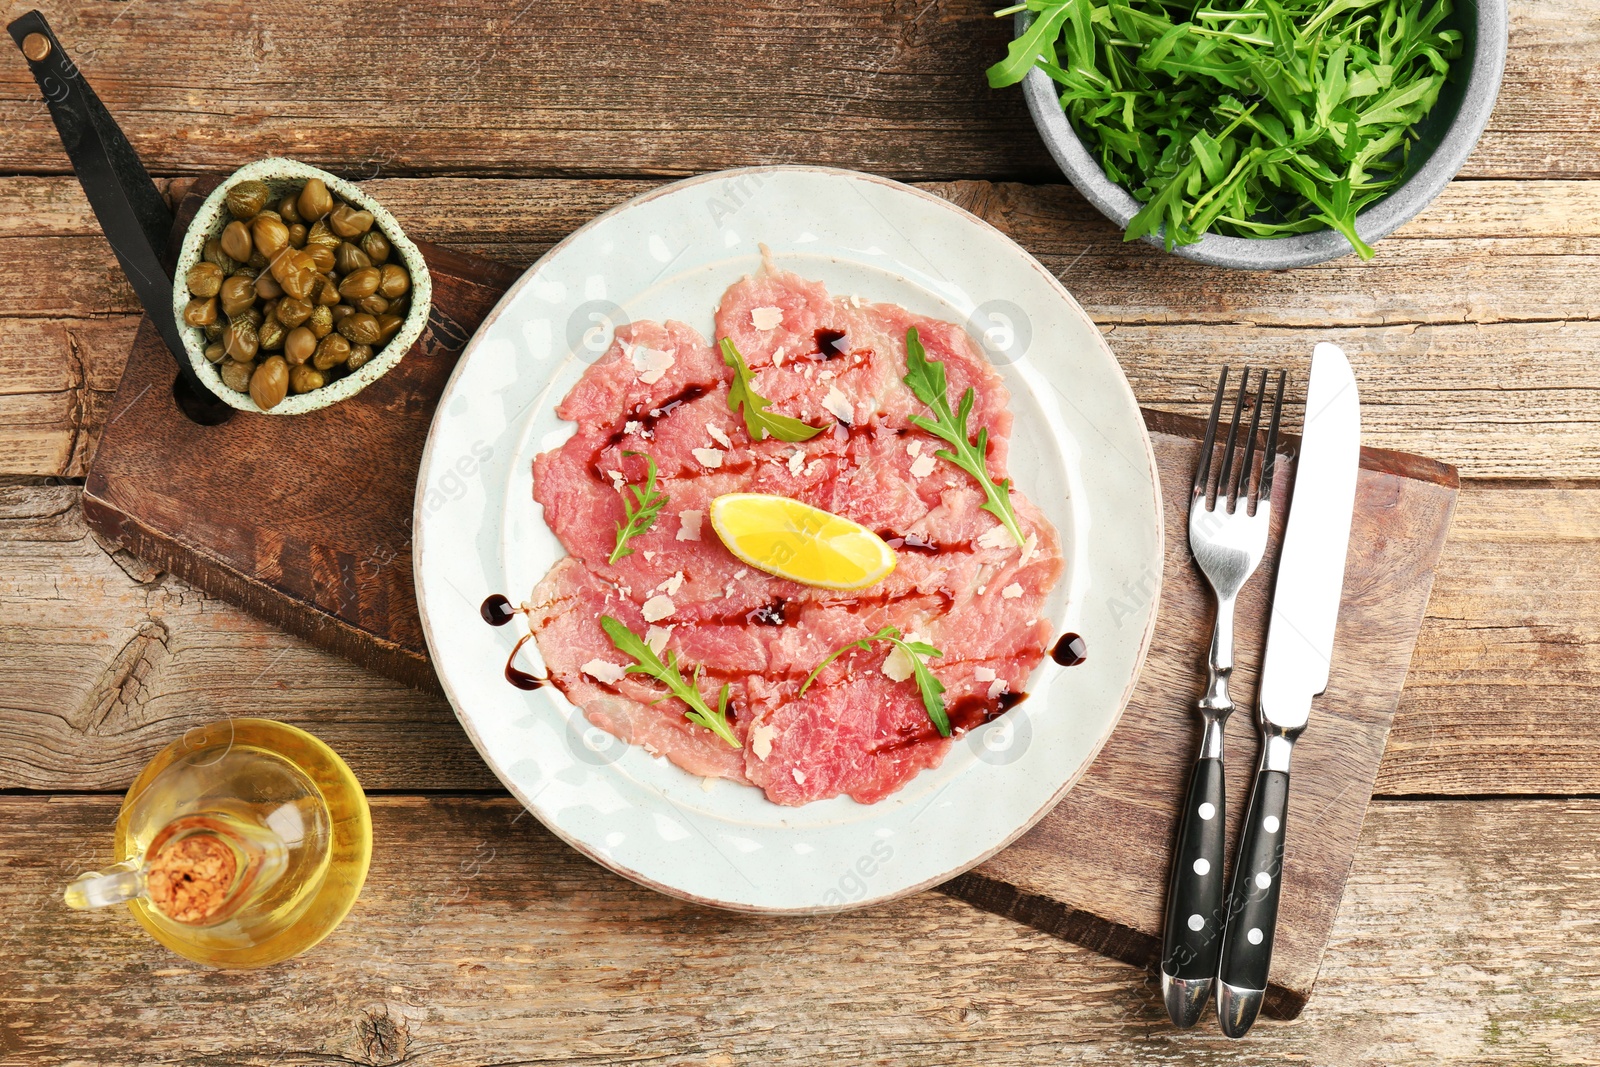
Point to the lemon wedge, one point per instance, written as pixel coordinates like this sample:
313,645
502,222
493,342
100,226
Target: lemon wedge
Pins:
799,542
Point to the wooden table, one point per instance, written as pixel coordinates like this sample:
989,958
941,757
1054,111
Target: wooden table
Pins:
1467,933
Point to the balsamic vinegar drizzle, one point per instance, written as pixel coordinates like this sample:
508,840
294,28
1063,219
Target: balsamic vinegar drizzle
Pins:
497,610
831,343
1070,650
516,675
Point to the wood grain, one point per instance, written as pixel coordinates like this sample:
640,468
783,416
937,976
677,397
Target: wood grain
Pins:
1491,288
661,87
1094,870
1498,698
479,939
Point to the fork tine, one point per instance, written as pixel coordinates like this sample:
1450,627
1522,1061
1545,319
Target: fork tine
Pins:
1241,481
1202,472
1226,473
1269,460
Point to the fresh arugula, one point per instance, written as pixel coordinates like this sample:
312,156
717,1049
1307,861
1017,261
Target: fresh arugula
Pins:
700,713
926,378
1254,118
641,511
758,421
931,688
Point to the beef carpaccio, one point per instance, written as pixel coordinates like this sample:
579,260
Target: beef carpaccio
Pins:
961,583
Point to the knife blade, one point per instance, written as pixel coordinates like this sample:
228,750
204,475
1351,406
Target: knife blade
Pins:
1295,669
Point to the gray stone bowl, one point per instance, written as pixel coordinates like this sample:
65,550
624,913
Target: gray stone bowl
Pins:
1444,141
281,176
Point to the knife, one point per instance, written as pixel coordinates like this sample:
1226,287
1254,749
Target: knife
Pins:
1305,608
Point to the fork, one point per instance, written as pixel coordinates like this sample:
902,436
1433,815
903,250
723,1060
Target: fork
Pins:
1228,536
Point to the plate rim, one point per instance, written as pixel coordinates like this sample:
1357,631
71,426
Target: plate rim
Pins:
868,900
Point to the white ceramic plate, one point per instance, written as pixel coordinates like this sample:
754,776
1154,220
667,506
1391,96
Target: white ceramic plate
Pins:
1079,450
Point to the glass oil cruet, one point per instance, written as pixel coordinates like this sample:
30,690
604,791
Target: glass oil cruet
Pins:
243,843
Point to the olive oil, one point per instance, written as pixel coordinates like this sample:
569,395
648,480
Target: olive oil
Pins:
276,812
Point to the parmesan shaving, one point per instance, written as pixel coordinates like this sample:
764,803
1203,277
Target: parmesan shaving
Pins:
657,608
603,672
838,405
1011,592
708,457
767,318
761,740
689,525
718,436
650,364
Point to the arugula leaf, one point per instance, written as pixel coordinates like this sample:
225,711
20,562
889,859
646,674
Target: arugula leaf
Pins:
758,421
927,380
931,689
1335,90
631,644
641,511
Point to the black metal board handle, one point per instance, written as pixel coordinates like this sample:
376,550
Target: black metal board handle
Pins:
126,202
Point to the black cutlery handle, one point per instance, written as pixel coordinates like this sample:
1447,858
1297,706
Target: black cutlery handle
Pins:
1192,938
1253,904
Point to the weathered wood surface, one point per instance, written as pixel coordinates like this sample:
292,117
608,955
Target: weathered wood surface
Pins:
1473,331
661,87
327,557
1094,870
98,669
1465,938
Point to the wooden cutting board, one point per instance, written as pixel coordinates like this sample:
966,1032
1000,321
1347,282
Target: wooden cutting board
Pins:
306,521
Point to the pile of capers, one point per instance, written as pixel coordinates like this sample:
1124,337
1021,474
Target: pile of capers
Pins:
295,295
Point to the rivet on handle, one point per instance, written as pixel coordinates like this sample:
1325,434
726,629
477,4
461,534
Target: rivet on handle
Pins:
36,46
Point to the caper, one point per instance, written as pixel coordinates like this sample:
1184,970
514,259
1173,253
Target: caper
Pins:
395,281
321,321
269,213
398,306
213,253
236,242
347,257
253,315
269,310
303,379
375,304
287,261
359,355
267,287
270,383
360,283
215,352
237,293
332,350
293,311
213,330
289,210
319,234
328,291
270,334
360,328
297,235
322,257
246,200
269,233
236,375
240,339
204,279
348,222
258,261
388,326
315,200
201,311
299,345
301,283
341,312
376,246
